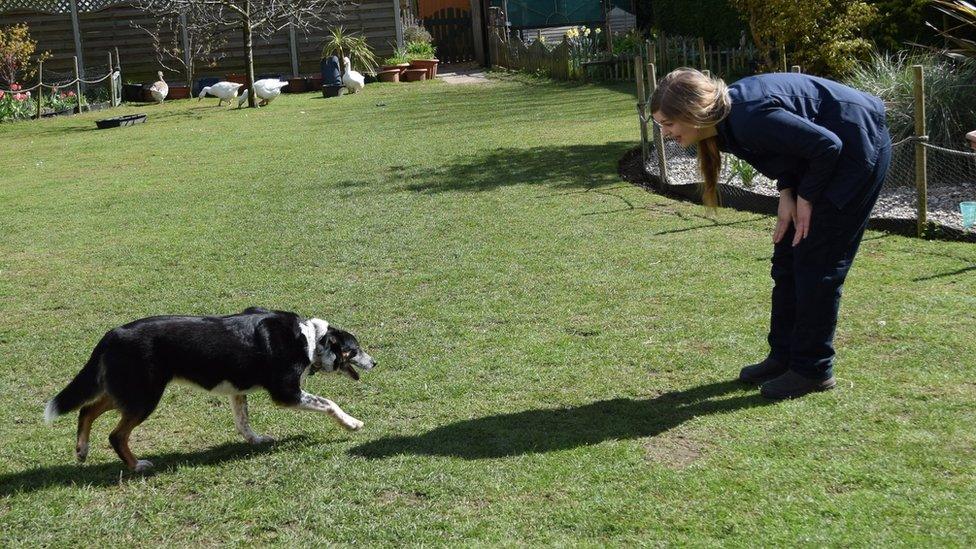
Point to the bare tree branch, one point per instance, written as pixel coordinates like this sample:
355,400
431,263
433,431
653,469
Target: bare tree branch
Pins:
261,17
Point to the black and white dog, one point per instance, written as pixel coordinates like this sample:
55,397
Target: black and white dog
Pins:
233,355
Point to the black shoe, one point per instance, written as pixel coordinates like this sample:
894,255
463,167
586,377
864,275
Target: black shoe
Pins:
762,372
793,385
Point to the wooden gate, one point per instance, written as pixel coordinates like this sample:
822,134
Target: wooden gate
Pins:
449,22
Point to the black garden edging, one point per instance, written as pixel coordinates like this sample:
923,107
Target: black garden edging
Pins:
630,169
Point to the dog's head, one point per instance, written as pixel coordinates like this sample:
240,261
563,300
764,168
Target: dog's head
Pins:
338,351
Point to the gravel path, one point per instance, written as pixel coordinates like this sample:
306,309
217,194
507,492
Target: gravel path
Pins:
895,202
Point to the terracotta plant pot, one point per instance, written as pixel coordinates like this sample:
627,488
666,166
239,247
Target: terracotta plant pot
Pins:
313,81
389,75
399,67
295,85
178,91
430,65
414,75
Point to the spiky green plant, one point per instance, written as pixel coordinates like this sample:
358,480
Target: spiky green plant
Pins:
950,84
343,43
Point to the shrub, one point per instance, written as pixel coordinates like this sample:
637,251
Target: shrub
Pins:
16,50
822,35
399,56
900,22
421,50
417,33
627,42
949,83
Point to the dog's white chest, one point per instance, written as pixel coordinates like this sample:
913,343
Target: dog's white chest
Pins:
227,388
222,388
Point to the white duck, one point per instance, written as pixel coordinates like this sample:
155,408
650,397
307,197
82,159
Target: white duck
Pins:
265,89
159,89
225,91
351,79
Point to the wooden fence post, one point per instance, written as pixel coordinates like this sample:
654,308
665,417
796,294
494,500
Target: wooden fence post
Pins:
662,160
111,82
79,59
664,52
77,85
702,56
641,106
782,51
796,68
40,87
187,54
921,185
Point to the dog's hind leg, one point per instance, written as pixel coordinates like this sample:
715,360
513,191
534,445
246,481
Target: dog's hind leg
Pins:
314,403
86,417
239,405
120,442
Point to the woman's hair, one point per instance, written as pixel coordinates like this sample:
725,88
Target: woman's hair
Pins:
691,97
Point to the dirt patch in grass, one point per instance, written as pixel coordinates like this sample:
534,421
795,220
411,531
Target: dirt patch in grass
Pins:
675,452
393,496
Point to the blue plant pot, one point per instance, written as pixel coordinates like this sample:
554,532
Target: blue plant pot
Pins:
331,73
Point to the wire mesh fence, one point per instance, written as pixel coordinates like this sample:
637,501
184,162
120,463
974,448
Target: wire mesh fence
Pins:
922,194
951,176
61,92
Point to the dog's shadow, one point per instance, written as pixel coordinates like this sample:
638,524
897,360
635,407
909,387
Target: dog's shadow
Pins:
548,430
108,474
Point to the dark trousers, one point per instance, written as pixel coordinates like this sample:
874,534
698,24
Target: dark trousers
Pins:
808,278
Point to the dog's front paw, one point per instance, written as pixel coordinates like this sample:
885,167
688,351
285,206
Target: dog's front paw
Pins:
352,424
81,452
142,466
261,439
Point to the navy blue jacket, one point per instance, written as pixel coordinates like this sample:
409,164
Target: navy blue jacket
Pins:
810,134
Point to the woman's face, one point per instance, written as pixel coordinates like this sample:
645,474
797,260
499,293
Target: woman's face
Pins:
684,133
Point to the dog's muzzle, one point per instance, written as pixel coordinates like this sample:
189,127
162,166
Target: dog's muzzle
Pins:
363,361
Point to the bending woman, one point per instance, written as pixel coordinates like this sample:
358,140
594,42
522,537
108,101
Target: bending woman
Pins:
828,148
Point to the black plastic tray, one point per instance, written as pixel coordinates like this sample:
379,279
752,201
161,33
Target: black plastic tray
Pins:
119,121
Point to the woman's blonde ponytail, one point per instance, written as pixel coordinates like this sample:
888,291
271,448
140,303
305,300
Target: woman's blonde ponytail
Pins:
690,96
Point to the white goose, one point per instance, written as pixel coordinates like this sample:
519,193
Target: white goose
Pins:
351,79
265,89
225,91
159,89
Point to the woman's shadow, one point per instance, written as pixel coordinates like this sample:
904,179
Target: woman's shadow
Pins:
547,430
107,474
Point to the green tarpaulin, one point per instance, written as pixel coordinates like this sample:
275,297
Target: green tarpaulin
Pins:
556,13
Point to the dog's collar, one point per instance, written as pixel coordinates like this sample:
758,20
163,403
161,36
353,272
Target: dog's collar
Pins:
320,365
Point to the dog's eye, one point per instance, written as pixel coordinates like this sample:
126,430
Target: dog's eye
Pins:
350,353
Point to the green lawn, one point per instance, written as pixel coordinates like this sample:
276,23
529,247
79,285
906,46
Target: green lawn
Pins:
555,346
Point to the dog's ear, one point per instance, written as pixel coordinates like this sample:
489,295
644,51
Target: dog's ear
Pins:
330,340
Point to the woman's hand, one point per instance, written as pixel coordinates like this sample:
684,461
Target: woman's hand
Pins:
785,214
801,220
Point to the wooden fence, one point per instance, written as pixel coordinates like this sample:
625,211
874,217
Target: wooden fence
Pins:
450,28
567,62
514,54
107,24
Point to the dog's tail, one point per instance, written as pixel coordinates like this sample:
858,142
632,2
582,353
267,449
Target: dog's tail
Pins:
84,388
